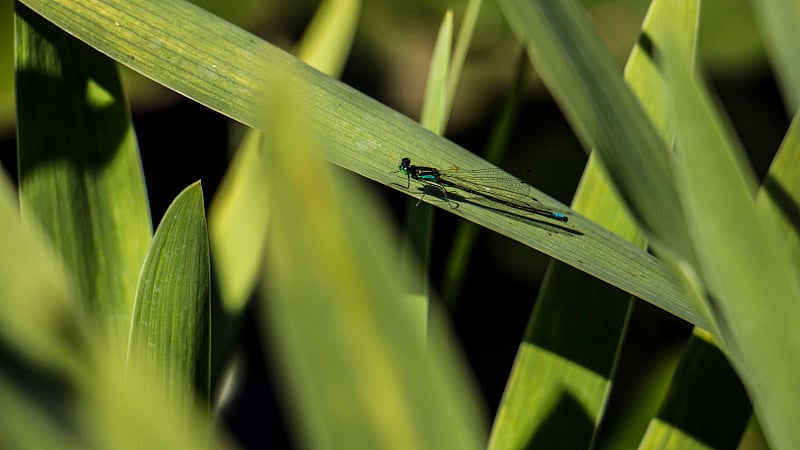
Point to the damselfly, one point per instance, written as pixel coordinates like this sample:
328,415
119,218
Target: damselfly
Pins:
491,184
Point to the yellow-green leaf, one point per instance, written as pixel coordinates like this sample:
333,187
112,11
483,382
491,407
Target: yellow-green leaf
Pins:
327,41
357,370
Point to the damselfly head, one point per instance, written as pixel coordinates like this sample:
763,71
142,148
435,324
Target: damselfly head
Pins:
405,164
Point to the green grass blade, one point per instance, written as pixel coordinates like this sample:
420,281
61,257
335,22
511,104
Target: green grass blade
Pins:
238,230
562,374
682,411
460,252
169,333
775,203
779,197
419,220
358,372
706,406
579,72
79,168
327,41
465,34
358,133
779,21
434,109
753,286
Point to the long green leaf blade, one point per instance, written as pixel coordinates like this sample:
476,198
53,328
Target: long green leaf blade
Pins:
80,174
465,33
753,286
434,110
358,133
577,326
579,72
169,332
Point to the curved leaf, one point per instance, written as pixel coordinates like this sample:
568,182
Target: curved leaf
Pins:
169,333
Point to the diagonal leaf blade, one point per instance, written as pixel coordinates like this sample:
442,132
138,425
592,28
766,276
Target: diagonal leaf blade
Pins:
357,133
754,291
603,112
562,373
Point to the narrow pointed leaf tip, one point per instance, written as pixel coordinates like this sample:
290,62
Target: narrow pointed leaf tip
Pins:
169,337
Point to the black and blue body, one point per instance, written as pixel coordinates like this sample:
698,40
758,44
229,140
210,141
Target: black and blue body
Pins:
481,185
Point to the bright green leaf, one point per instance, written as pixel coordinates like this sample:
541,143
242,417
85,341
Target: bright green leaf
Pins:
780,194
80,174
434,110
465,34
169,333
237,228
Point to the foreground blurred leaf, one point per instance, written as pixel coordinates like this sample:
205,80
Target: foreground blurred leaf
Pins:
753,288
169,333
80,174
358,372
237,229
159,40
39,316
61,383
